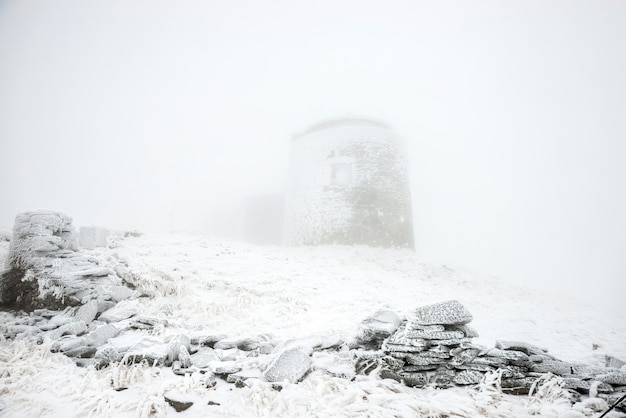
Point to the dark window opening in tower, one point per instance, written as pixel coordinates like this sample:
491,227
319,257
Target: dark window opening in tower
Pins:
341,174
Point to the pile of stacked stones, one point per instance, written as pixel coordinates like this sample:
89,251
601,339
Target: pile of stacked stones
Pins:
434,347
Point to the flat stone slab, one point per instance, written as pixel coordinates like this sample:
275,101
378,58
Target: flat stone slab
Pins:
203,357
445,313
118,313
291,365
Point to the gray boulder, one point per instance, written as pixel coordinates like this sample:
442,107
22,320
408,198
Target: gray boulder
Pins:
444,313
291,365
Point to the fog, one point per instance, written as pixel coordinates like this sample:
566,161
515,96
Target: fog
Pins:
155,115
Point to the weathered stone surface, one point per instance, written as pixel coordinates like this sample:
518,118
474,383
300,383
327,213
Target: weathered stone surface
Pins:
374,329
434,335
412,325
450,312
490,361
420,360
510,355
290,365
553,366
101,335
468,377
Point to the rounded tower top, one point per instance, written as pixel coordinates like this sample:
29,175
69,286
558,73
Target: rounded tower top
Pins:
343,123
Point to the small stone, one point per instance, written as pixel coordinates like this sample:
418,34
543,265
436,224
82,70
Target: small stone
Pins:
444,313
243,376
225,367
417,380
176,400
209,380
290,365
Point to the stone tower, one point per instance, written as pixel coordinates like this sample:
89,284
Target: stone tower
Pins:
348,185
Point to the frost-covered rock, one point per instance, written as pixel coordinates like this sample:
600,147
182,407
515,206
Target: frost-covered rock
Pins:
118,313
450,312
242,343
45,269
291,365
203,357
87,312
177,400
375,328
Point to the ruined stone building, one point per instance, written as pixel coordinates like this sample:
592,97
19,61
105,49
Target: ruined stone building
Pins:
348,185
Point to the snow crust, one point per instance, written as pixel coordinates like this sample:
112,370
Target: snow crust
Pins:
202,283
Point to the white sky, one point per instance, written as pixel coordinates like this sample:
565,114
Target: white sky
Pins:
124,113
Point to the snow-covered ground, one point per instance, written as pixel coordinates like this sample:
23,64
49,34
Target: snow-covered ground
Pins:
200,282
